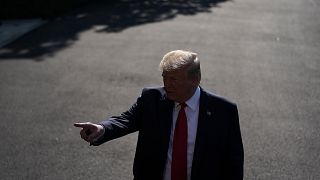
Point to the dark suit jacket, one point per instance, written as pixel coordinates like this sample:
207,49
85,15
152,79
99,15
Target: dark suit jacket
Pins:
218,153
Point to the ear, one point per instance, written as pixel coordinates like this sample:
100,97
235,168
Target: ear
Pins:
196,80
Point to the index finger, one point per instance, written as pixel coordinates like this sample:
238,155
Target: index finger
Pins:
82,125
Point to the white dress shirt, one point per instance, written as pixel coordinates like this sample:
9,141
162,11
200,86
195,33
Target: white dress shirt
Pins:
192,113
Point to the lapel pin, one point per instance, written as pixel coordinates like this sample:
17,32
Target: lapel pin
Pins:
163,98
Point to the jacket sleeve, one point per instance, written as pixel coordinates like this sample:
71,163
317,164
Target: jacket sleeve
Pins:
118,126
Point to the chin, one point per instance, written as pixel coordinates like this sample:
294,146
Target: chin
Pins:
171,97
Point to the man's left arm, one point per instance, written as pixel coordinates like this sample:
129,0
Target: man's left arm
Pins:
235,147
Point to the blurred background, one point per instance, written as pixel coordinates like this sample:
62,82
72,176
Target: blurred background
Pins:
91,59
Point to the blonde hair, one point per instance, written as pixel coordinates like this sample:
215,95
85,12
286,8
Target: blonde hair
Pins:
178,59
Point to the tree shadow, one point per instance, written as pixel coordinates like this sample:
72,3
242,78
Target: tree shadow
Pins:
111,16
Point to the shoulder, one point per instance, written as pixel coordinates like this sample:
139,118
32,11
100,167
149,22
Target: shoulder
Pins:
153,90
216,99
156,92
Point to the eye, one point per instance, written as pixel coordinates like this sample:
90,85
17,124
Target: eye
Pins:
174,79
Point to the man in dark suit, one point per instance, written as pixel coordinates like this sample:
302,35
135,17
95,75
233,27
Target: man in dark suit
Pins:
185,132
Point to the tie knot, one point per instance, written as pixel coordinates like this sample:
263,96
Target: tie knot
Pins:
183,105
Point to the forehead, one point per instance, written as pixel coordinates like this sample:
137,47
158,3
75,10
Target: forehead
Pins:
175,72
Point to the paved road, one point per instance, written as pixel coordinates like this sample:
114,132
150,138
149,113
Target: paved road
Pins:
92,64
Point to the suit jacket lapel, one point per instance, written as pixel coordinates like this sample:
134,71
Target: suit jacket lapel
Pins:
202,129
165,118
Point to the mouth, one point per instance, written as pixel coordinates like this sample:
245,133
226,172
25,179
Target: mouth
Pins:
169,91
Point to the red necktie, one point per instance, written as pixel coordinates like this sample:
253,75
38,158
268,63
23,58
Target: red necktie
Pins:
179,149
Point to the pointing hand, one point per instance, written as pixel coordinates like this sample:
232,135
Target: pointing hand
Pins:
90,131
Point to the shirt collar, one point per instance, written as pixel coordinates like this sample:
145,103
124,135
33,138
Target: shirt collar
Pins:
193,102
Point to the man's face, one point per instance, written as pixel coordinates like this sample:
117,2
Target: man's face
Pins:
178,85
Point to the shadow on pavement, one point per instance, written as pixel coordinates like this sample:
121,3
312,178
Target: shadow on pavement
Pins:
110,16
